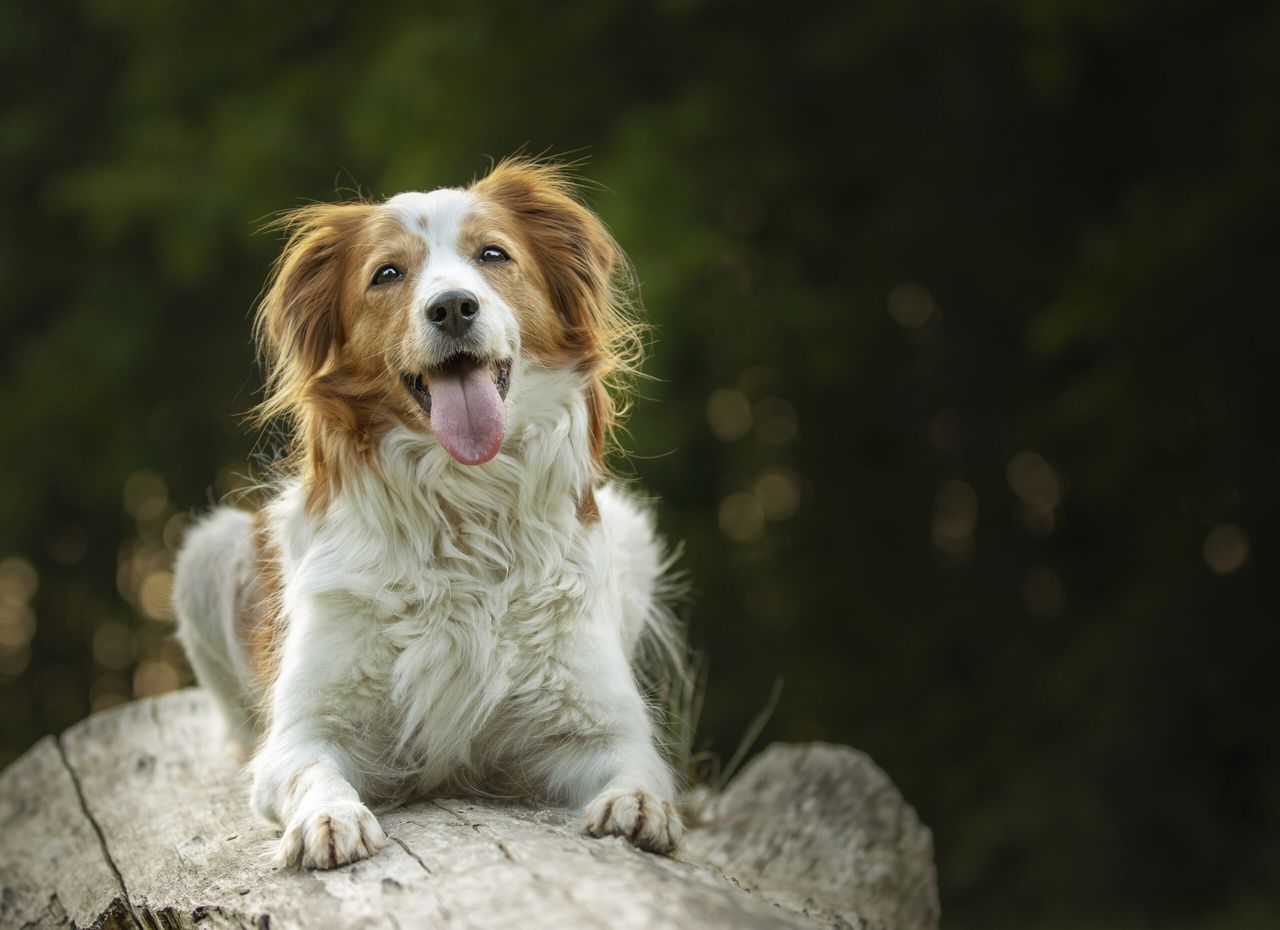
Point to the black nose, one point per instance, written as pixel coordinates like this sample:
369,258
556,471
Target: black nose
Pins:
453,311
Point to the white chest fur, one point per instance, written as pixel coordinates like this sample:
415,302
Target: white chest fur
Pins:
447,606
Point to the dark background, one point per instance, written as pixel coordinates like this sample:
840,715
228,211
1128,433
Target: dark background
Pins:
963,399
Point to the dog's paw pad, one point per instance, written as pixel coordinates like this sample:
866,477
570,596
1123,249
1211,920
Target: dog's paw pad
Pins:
328,837
643,819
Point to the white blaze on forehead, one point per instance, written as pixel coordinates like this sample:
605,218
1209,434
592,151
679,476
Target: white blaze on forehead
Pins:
436,215
438,218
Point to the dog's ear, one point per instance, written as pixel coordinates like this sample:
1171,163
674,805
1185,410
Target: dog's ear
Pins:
299,326
587,277
575,252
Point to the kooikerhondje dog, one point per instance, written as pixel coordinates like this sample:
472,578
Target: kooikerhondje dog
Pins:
443,593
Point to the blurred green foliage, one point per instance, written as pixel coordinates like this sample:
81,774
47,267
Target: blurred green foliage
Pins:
963,404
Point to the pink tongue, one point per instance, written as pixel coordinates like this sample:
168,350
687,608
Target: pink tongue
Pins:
467,414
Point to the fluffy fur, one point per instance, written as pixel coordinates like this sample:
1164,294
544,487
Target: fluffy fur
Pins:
393,621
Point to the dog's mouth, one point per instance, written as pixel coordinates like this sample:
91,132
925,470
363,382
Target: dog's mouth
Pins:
464,397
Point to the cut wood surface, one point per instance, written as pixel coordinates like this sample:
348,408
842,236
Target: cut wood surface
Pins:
138,817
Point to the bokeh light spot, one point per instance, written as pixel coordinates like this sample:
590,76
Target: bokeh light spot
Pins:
114,645
778,493
1039,489
155,596
741,518
145,495
1226,548
17,626
729,414
910,305
1034,480
155,677
19,580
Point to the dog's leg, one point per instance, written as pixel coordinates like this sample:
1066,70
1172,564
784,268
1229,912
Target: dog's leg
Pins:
303,778
302,782
614,768
636,802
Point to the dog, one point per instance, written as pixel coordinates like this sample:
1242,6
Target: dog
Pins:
443,591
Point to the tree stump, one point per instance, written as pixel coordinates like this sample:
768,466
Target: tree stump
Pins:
138,817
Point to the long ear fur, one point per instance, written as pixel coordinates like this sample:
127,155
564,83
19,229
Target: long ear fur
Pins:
298,326
588,278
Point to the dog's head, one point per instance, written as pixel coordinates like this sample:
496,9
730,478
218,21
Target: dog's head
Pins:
425,309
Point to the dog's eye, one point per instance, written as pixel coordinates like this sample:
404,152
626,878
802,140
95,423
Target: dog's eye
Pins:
492,255
387,274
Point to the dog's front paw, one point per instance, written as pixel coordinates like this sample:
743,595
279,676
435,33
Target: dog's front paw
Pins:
330,836
646,821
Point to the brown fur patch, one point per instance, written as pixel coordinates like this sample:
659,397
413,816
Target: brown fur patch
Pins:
264,624
585,276
588,510
326,342
641,818
520,282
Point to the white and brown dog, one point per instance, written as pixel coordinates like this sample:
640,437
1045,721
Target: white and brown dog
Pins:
442,594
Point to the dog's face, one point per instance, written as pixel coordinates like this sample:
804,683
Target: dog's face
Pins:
439,293
424,309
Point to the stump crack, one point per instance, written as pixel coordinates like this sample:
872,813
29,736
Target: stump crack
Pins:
412,855
587,914
446,912
97,828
